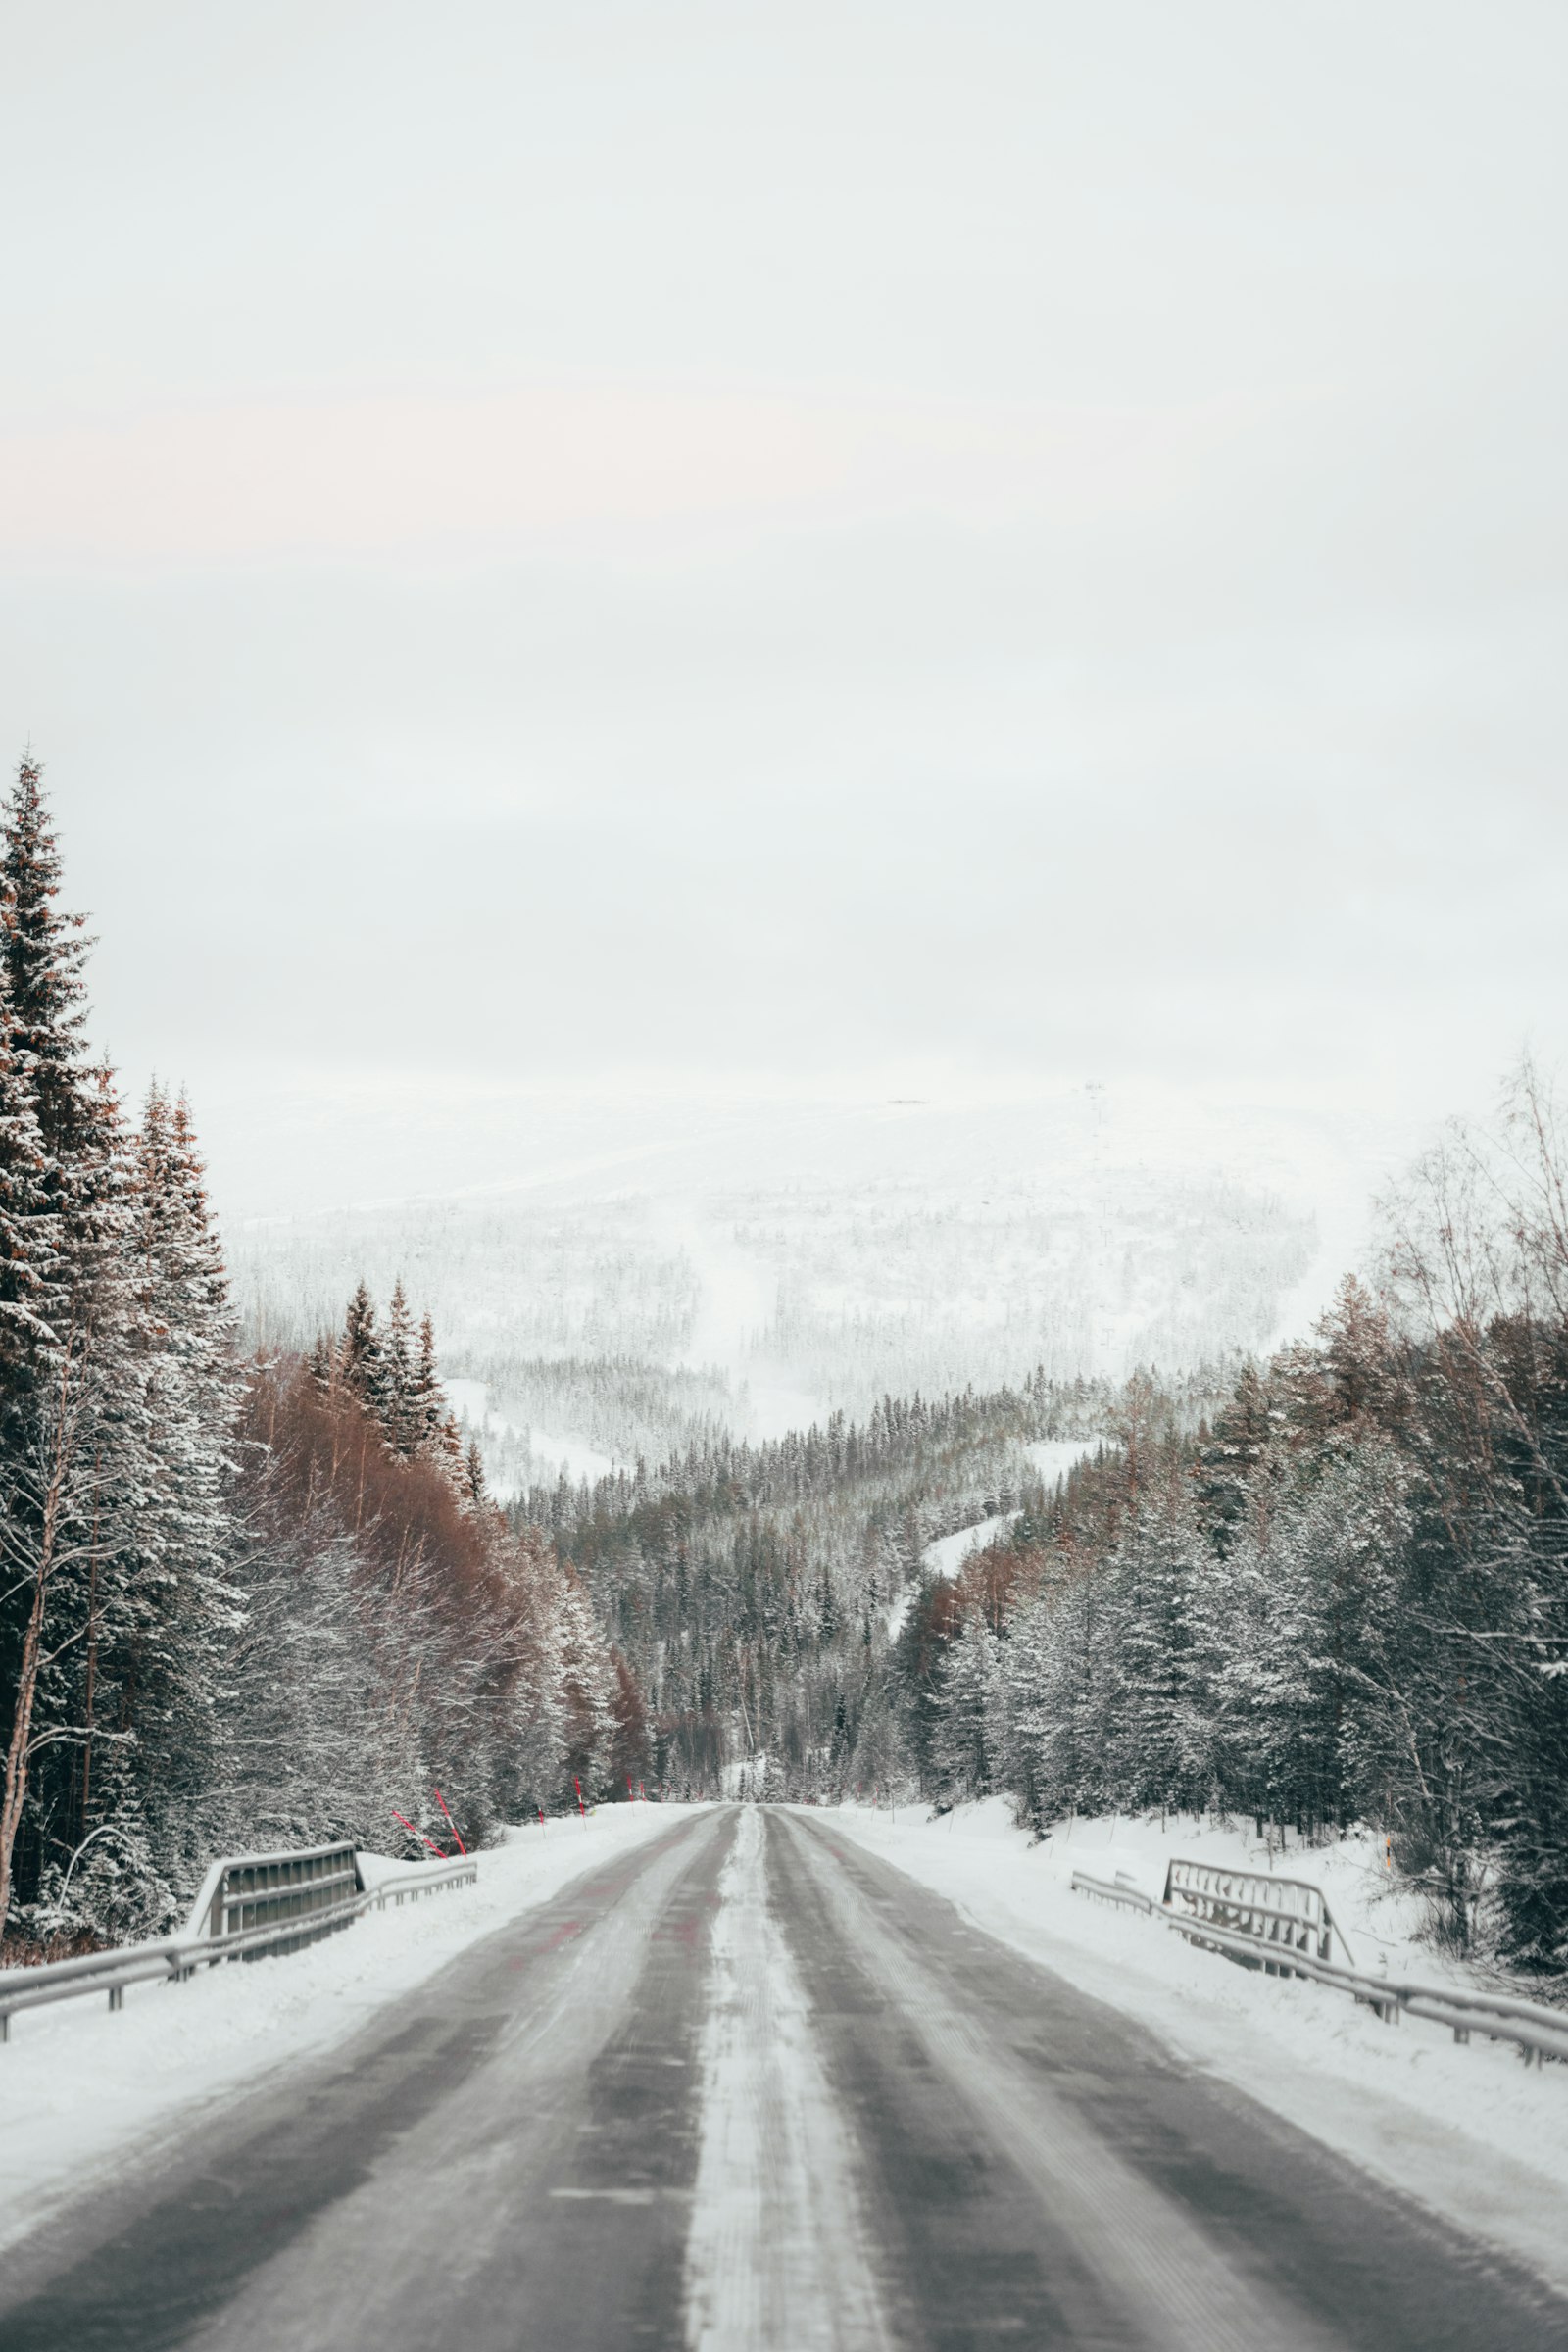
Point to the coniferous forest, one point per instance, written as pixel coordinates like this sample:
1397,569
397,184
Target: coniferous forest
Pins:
244,1603
263,1597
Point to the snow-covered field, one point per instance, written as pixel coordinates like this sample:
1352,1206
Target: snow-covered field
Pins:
78,2083
1470,2131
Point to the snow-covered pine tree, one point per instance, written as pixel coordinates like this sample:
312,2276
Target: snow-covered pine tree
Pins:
177,1610
588,1686
1226,1464
30,1288
428,1403
75,1461
959,1743
45,950
362,1357
30,1302
402,1419
446,1451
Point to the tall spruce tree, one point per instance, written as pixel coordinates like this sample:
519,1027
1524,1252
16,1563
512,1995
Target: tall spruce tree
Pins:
31,1289
73,1463
401,1417
362,1356
428,1403
159,1674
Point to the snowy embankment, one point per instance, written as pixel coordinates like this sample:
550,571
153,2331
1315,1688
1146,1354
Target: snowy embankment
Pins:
1471,2132
77,2083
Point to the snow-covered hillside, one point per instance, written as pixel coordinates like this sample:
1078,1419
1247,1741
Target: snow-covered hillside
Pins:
777,1261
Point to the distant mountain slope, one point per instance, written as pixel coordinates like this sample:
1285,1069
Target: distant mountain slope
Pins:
758,1266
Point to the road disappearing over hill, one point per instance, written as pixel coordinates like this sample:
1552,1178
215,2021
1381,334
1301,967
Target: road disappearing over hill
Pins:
746,2087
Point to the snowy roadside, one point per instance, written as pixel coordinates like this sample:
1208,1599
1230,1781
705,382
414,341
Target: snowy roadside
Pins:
1470,2132
78,2085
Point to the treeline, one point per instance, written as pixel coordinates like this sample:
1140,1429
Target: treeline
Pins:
622,1406
901,1438
1345,1601
241,1603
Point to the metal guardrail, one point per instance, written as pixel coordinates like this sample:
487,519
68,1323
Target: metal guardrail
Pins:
1105,1892
1273,1910
1534,2029
257,1891
295,1920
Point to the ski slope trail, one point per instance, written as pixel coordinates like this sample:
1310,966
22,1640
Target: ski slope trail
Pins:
751,2088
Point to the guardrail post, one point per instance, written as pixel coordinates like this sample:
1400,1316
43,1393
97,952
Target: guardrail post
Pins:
116,1997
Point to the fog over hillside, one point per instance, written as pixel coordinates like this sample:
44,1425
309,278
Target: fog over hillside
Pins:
627,1276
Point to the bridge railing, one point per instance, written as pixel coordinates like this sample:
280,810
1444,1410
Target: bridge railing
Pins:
307,1885
262,1905
1536,2030
1272,1910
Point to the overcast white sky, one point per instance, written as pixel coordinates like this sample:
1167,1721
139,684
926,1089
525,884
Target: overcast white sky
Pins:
870,544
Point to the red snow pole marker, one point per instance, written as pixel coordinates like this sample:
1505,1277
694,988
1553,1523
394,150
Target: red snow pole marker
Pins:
541,1817
642,1793
581,1807
451,1824
629,1797
420,1834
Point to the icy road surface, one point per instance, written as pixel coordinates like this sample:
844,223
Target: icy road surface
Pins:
749,2085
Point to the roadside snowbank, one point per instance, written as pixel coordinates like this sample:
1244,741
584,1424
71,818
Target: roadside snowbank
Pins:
1470,2131
77,2083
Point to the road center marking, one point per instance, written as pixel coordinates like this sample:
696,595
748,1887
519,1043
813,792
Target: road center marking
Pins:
777,2254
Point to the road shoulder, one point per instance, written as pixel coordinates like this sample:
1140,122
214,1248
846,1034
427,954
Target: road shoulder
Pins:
84,2092
1470,2134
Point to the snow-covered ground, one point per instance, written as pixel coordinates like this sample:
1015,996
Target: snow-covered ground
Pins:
1471,2132
1052,1458
78,2083
946,1555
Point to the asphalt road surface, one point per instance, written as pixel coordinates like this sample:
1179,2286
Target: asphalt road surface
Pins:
749,2086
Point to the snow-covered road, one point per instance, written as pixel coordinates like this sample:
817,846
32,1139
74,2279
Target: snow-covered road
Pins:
744,2085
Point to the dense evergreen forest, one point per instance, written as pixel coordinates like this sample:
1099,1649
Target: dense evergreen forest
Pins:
243,1602
756,1589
